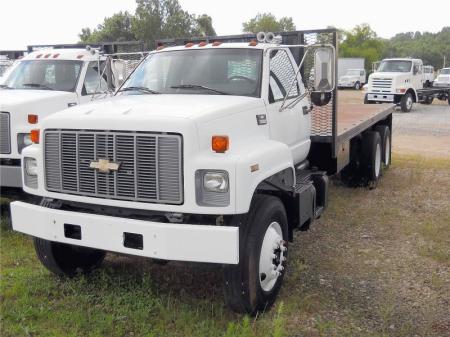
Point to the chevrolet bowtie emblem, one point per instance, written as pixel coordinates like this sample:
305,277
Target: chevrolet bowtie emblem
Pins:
104,165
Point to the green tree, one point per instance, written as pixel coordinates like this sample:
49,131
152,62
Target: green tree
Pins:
114,28
362,41
204,26
267,22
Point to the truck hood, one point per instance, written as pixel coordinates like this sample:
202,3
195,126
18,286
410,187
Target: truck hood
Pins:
443,78
155,108
388,75
11,98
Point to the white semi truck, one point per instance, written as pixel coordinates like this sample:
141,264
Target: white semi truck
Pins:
44,82
212,151
401,81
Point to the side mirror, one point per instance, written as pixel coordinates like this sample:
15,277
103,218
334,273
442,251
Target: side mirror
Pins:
324,76
324,69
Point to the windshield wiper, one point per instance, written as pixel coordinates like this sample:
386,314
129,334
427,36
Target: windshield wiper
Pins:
195,86
37,85
142,89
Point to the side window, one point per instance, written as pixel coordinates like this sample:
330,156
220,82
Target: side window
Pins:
282,74
94,82
362,73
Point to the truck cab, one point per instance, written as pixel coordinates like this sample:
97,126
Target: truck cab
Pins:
396,81
353,78
40,84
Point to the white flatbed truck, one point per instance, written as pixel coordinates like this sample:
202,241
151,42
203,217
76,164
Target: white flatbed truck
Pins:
212,151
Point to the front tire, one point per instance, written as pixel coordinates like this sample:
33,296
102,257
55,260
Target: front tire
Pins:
406,102
253,285
357,86
64,259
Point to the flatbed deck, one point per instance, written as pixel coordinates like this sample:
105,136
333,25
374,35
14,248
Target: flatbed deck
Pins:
353,118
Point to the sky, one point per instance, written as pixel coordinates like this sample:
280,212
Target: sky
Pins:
25,22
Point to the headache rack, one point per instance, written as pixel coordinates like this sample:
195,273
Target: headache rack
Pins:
324,118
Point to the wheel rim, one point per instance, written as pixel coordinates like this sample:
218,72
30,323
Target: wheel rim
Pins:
377,160
409,102
387,152
357,86
272,256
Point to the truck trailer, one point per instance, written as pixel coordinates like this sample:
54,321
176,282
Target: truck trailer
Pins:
214,150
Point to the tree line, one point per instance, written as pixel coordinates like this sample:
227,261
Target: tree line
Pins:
159,19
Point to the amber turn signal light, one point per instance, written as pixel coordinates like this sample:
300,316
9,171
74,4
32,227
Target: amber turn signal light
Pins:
33,119
34,136
220,144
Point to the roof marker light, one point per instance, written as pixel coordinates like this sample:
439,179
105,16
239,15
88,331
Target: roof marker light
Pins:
161,47
55,56
202,44
80,56
38,56
253,43
216,43
189,45
47,55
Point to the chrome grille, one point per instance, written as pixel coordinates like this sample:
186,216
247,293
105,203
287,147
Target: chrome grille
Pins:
150,165
381,84
5,136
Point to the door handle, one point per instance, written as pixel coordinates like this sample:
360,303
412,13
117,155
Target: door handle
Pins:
306,110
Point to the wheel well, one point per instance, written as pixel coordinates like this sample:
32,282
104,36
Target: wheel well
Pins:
413,94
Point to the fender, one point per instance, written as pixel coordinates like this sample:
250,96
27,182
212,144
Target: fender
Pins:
257,163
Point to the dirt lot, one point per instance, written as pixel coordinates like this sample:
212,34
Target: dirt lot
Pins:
376,264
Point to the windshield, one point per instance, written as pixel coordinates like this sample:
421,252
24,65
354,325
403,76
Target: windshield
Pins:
59,75
353,72
207,72
445,71
393,66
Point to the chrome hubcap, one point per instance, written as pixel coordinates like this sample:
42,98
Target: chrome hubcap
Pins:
272,257
377,160
409,103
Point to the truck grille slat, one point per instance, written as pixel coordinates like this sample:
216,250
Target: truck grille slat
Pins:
5,133
150,165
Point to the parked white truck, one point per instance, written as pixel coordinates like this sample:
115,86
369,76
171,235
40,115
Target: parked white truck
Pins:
213,151
47,81
443,79
402,81
353,78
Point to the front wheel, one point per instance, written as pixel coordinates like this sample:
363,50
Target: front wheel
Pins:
407,102
253,285
64,259
357,86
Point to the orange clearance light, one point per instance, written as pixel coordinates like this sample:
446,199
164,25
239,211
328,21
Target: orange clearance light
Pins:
80,56
55,56
47,56
202,44
189,45
253,43
32,119
38,56
161,47
220,144
34,136
216,43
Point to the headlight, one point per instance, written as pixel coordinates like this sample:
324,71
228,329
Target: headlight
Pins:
30,169
30,166
216,182
23,140
212,188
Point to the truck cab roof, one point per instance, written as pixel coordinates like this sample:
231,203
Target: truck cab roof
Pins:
225,45
402,59
77,54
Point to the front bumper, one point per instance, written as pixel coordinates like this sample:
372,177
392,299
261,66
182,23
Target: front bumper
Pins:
381,97
168,241
11,176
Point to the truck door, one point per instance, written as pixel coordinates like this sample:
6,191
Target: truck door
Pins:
94,83
288,125
417,77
